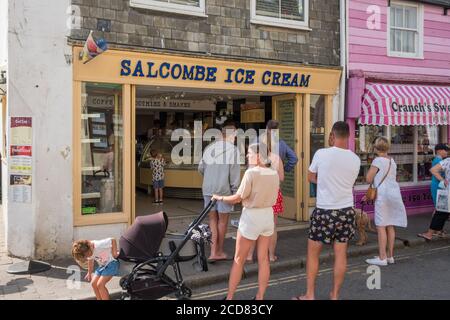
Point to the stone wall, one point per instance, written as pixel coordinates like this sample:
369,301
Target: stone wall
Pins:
226,31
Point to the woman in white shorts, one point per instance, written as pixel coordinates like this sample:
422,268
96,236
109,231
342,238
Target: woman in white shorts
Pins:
258,193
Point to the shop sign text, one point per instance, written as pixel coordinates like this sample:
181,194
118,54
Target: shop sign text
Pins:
420,107
202,73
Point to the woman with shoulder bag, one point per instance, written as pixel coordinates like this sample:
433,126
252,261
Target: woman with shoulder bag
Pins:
389,208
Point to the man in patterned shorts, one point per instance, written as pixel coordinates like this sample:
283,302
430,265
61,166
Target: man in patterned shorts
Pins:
334,170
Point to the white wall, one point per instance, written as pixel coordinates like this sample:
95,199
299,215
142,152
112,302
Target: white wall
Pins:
3,60
40,86
100,232
3,31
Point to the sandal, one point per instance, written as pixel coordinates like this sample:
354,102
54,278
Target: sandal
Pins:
442,234
421,235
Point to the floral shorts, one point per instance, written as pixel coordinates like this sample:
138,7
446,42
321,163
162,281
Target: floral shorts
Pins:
328,226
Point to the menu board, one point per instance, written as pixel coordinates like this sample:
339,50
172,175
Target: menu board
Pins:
286,118
21,159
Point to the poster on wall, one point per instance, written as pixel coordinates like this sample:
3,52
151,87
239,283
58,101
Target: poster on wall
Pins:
20,188
21,159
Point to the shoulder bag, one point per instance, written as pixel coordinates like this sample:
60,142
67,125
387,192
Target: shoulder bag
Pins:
371,193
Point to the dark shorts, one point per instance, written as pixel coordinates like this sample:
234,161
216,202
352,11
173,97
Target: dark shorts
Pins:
328,226
158,184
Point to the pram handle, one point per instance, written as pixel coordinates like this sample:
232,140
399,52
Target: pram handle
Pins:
187,236
201,216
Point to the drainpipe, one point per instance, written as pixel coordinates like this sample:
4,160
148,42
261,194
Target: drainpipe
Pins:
344,52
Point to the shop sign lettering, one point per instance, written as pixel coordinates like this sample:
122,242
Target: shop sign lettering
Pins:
420,107
202,73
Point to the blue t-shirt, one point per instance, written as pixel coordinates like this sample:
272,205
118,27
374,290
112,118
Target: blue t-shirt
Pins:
434,181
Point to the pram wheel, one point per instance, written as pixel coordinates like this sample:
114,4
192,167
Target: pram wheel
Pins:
184,293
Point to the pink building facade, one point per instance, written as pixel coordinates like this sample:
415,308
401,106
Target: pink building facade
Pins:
398,86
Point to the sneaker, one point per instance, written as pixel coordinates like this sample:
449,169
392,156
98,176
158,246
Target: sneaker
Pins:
160,202
391,260
235,223
377,261
155,202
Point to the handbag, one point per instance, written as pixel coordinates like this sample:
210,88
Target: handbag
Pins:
371,193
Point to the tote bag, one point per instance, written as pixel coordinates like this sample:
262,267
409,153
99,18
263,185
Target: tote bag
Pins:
442,200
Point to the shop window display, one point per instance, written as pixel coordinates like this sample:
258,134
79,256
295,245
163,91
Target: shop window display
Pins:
365,137
411,148
428,137
402,151
161,140
101,149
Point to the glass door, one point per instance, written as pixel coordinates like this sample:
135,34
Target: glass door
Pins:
286,109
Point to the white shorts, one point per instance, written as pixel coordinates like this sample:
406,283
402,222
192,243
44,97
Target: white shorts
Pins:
256,222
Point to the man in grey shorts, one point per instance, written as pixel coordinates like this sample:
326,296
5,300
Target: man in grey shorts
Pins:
221,175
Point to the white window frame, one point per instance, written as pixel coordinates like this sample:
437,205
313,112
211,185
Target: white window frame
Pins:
420,17
170,7
279,22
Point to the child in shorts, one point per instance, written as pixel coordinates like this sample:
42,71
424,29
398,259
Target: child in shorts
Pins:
105,253
157,163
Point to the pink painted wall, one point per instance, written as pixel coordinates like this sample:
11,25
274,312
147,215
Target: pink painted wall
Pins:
368,49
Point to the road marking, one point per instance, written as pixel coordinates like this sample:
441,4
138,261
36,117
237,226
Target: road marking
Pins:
351,268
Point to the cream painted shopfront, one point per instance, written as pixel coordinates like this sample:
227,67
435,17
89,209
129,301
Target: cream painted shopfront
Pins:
121,98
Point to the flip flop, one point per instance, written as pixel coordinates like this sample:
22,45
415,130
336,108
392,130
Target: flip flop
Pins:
298,298
420,235
216,260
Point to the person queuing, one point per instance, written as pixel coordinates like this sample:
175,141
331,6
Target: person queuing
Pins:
335,171
441,172
389,208
221,172
441,153
258,192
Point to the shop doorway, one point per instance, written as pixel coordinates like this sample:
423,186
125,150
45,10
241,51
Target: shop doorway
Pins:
157,112
287,109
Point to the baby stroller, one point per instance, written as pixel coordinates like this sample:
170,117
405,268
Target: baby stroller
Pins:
147,245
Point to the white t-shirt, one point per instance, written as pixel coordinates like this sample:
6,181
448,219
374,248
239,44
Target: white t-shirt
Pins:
103,251
337,170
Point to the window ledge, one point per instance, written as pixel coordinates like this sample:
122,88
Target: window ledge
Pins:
185,11
99,219
280,24
363,187
405,56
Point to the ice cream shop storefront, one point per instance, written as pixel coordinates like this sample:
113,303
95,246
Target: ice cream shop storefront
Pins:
414,118
127,104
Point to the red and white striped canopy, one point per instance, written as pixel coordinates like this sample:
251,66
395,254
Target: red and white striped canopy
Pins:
405,105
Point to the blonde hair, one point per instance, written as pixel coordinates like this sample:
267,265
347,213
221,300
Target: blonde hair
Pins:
381,144
263,152
81,250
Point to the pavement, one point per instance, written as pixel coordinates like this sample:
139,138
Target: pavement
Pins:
57,283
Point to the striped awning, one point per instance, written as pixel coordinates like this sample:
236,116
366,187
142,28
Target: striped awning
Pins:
405,105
